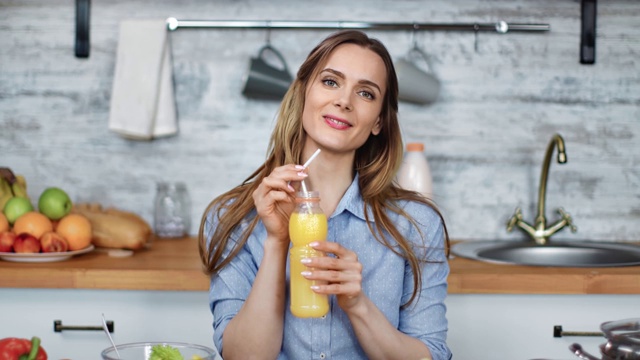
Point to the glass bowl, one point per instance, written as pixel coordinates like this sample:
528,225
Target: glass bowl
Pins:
142,351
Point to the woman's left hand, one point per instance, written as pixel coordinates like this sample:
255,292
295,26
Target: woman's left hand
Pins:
342,274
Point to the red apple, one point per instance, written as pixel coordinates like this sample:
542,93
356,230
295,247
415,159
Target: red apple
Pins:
53,242
7,238
26,243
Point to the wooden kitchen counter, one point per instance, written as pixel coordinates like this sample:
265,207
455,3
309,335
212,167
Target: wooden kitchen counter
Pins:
168,264
175,265
475,277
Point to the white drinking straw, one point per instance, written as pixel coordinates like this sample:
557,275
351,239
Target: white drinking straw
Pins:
315,154
305,165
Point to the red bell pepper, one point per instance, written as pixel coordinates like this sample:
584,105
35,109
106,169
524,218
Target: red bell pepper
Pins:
21,349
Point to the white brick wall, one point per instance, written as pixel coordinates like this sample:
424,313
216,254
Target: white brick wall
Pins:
485,138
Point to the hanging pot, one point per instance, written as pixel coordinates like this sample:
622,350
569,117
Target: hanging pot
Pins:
623,341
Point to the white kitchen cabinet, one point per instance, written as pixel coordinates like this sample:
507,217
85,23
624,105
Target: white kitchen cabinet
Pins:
138,316
481,326
520,327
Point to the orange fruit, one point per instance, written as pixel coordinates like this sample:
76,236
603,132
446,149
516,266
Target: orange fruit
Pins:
4,223
76,229
33,223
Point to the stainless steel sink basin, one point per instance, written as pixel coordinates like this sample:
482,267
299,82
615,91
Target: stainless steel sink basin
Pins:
555,253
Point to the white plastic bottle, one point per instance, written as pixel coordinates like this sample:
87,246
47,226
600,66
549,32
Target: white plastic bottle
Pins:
414,173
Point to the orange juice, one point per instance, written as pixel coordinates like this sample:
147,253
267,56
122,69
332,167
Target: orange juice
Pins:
306,228
307,224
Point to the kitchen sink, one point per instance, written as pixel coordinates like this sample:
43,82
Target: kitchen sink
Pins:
554,253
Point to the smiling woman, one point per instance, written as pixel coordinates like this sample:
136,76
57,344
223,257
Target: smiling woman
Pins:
383,266
344,101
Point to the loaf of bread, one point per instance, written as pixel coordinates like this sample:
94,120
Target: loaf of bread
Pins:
113,228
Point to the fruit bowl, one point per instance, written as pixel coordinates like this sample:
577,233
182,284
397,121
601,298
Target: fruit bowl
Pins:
142,351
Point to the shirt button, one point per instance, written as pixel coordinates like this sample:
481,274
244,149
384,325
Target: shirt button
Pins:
322,355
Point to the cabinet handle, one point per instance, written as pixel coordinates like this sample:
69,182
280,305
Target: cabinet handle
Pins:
58,327
558,332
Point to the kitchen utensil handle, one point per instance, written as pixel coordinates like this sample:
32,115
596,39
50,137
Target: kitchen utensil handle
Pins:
579,352
558,332
58,327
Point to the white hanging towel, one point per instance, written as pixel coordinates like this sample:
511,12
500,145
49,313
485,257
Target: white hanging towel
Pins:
142,101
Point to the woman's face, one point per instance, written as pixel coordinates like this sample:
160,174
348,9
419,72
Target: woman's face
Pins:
343,102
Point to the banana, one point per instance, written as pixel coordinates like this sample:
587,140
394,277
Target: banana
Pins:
19,190
22,181
11,185
5,192
5,187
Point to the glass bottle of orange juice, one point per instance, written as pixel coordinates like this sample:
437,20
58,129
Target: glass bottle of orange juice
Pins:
307,224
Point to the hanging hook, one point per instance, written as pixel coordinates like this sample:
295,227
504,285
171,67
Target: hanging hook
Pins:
268,39
476,28
414,37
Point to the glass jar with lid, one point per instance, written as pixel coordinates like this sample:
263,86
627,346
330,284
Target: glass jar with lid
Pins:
172,210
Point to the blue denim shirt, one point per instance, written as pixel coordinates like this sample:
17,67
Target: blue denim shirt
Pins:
387,281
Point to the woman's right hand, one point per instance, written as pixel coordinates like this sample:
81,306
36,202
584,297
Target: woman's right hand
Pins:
275,199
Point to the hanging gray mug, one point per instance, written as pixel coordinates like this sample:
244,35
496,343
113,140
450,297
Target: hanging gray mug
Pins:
416,84
265,81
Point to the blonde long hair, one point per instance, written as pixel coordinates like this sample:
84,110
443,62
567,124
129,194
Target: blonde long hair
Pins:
377,162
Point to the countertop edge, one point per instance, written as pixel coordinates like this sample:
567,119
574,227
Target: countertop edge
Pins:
167,280
567,284
175,265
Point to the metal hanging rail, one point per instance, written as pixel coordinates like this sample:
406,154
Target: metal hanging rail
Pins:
500,27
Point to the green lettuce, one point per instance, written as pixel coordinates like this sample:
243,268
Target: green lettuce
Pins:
165,352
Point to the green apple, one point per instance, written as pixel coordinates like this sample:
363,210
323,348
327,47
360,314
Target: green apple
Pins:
15,207
54,203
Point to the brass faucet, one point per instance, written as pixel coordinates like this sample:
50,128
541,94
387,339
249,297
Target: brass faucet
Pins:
539,232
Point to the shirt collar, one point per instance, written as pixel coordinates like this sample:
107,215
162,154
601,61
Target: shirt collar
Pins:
352,201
